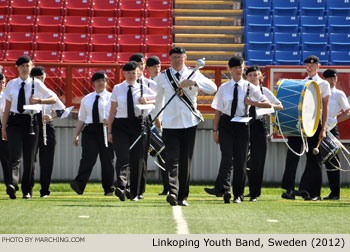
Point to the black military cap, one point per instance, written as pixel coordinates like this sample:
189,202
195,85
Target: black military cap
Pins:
252,68
130,66
153,60
23,59
99,75
312,59
177,49
329,73
37,71
137,57
235,61
2,76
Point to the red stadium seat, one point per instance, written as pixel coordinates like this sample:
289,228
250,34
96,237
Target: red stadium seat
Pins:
4,7
158,43
76,24
130,25
105,8
48,42
104,25
23,7
3,39
158,26
131,8
130,43
21,23
20,40
159,9
2,55
80,84
13,55
103,42
3,23
78,8
123,57
100,57
47,56
164,57
53,79
76,42
68,56
51,7
10,72
49,24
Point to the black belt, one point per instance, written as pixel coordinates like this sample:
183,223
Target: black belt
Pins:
15,113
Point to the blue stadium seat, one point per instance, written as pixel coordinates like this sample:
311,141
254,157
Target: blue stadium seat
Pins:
314,41
338,8
285,7
339,42
287,57
286,24
340,58
312,7
339,24
257,7
313,24
287,41
322,55
258,41
260,58
256,23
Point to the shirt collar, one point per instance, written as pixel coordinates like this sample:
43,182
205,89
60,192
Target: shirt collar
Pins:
180,72
102,93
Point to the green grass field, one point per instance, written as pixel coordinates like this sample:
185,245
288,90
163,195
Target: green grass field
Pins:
92,213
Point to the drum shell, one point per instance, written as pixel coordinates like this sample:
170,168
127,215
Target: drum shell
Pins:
328,148
157,144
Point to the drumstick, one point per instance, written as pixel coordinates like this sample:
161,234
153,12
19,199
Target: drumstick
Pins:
315,151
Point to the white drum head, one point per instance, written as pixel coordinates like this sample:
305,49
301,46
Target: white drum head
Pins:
310,110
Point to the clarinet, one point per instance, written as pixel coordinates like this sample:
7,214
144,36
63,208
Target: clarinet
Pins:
105,135
143,122
44,127
31,113
246,105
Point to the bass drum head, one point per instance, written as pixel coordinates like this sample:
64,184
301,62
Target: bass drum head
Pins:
310,108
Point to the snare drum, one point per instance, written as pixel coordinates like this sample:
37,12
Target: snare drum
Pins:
157,145
328,147
301,107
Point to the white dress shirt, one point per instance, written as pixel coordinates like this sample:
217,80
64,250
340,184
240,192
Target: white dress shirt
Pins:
2,104
324,86
223,98
177,115
337,102
86,106
120,93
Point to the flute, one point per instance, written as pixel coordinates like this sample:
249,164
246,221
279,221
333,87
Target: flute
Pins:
105,135
31,113
44,127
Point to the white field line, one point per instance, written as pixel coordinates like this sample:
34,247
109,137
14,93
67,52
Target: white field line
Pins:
181,224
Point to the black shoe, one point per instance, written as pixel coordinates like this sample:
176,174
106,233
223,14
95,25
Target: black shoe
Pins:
331,197
289,194
237,200
11,191
172,199
120,193
247,195
140,196
164,193
74,185
27,196
183,203
214,191
227,197
302,193
316,198
253,199
127,193
108,193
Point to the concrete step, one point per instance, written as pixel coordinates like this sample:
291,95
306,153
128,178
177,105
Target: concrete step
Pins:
206,29
204,12
210,55
211,46
208,62
207,38
204,4
188,20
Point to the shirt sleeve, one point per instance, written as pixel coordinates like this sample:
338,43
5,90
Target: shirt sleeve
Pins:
343,101
114,97
82,111
7,91
42,91
204,84
217,103
160,94
269,95
256,94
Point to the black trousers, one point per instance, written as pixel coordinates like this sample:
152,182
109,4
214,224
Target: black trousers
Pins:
233,139
163,173
224,178
145,155
21,143
92,144
4,159
179,146
332,173
129,162
258,147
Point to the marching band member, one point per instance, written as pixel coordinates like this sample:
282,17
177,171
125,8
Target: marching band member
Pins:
230,101
125,124
93,112
179,121
337,103
21,125
311,180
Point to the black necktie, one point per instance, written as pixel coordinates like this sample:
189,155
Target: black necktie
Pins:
252,112
130,103
138,80
177,75
21,98
95,115
235,100
310,78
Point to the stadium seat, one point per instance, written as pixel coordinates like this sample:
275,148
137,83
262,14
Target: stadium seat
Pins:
10,71
312,7
4,4
340,58
255,23
20,41
3,23
258,41
159,8
158,26
51,7
13,55
69,56
313,24
76,42
339,24
261,58
123,57
339,42
104,25
100,57
322,55
103,43
287,58
23,7
285,7
47,56
76,24
105,8
2,55
49,24
131,8
158,43
78,8
258,7
338,8
21,23
131,43
287,41
163,57
80,83
48,42
286,24
53,79
3,39
314,41
130,25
